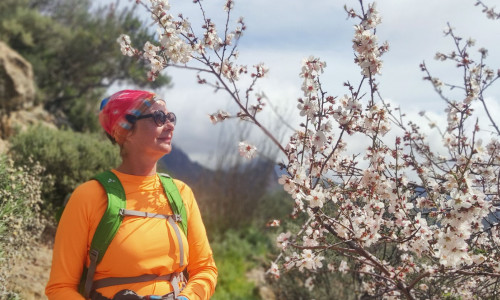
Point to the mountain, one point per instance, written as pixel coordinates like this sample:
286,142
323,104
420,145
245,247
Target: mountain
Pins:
178,164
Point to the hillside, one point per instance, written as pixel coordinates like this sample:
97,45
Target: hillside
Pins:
180,166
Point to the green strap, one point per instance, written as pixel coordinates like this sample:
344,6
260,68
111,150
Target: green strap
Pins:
107,228
175,200
111,220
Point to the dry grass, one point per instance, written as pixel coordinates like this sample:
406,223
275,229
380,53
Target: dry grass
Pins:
29,276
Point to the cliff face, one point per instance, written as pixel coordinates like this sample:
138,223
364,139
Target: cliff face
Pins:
17,96
17,88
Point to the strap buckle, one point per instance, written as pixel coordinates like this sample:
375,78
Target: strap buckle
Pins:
93,254
177,218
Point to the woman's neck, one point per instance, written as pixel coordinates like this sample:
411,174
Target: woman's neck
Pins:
137,167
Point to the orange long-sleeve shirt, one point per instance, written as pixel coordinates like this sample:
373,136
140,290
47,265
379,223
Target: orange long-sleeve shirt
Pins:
141,245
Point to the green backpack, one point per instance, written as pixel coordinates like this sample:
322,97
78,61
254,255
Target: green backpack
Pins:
113,216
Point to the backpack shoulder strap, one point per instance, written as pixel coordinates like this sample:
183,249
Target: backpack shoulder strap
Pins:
109,224
175,199
112,219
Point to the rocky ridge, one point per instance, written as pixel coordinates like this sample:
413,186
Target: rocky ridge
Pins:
18,107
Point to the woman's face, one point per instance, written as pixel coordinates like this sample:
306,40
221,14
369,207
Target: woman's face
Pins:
147,137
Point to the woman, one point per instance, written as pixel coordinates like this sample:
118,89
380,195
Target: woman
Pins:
141,125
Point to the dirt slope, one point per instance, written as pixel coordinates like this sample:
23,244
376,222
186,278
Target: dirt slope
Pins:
31,275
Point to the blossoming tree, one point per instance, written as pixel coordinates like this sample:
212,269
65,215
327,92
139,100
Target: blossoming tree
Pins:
409,220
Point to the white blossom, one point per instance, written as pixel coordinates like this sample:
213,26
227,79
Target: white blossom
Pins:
283,239
247,150
343,267
274,270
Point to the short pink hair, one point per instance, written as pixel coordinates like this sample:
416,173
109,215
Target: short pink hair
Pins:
115,108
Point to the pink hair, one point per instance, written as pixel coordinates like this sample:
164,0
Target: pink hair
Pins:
115,108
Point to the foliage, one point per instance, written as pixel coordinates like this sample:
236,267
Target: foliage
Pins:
69,158
406,217
21,221
237,252
273,204
321,285
71,47
236,193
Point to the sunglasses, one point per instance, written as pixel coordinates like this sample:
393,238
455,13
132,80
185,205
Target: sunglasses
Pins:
158,116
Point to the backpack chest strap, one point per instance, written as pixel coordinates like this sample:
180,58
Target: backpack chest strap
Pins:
135,213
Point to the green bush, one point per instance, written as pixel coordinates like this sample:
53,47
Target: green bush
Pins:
236,254
69,158
21,222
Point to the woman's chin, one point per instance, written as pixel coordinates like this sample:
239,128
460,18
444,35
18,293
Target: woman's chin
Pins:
166,148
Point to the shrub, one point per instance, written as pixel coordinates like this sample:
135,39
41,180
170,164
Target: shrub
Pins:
69,158
21,222
236,254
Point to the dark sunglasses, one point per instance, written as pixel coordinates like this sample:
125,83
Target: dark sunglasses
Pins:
158,116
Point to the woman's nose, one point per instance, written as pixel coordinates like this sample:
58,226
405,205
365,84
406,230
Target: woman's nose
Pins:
169,125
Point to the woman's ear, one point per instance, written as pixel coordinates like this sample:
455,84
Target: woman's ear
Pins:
129,135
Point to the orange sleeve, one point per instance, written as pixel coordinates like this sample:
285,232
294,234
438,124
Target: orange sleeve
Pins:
86,205
201,267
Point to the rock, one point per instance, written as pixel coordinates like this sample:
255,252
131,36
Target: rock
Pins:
17,96
20,120
17,87
36,115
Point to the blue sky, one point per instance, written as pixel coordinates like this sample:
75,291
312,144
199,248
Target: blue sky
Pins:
281,33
